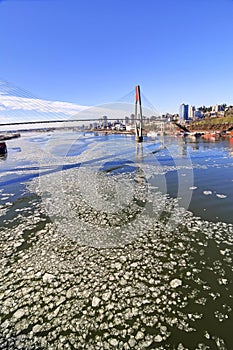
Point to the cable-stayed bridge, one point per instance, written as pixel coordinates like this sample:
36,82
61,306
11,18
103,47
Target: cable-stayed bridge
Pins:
67,121
19,107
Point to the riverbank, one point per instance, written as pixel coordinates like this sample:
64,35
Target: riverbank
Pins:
219,124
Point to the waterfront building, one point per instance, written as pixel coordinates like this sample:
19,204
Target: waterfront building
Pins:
215,111
191,112
217,108
130,127
126,120
105,121
183,113
100,122
198,114
132,119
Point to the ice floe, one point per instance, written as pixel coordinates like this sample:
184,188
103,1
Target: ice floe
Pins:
207,192
221,195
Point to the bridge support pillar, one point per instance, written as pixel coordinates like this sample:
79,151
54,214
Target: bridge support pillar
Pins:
138,123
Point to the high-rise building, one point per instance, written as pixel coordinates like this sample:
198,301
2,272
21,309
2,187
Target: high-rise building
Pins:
183,112
126,120
105,121
131,119
191,112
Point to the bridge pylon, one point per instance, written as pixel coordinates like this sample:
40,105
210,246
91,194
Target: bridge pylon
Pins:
138,122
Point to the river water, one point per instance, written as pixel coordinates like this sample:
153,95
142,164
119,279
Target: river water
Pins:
108,244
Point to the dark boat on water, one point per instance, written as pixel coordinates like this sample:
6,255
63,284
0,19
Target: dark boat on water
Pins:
3,148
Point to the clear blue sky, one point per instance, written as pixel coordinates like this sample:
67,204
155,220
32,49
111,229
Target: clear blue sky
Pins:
95,51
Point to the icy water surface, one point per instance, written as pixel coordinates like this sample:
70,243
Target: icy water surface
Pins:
109,245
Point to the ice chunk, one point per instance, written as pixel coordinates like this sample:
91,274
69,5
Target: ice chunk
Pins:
95,301
207,193
175,283
221,195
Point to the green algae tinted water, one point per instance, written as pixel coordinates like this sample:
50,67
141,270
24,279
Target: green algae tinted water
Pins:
110,245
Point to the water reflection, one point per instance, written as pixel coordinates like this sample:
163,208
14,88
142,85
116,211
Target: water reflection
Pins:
231,146
195,146
139,159
183,147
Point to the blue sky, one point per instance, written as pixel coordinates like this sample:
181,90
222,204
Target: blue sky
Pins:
92,52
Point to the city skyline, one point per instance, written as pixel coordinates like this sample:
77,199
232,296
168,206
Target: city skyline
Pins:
88,53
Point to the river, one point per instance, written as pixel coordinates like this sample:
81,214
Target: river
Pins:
107,244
